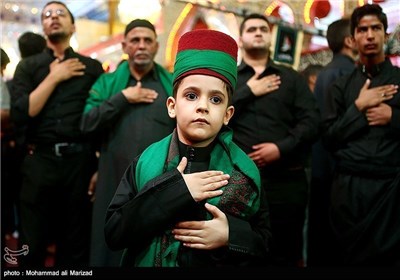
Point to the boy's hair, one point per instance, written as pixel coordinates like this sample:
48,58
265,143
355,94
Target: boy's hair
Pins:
31,43
228,88
368,9
60,3
336,33
251,16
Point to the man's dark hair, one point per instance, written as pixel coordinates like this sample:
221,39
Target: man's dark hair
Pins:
368,9
4,59
60,3
336,33
311,69
31,43
251,16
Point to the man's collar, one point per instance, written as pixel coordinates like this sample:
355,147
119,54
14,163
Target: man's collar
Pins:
270,64
67,52
152,73
374,70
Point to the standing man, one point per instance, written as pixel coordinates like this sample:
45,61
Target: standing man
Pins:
127,108
320,239
275,122
48,95
362,129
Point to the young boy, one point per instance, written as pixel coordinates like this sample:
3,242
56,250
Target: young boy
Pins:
194,198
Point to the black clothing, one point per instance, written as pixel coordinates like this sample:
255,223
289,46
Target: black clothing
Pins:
365,193
55,207
289,118
60,118
11,156
321,245
59,164
10,186
322,162
347,133
166,200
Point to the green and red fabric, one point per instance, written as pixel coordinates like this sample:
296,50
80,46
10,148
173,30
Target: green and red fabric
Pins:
207,52
116,81
227,157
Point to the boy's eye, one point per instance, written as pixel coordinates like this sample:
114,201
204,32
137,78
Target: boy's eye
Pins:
191,96
216,100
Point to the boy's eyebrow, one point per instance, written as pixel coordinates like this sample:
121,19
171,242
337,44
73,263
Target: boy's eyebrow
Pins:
216,91
191,88
213,91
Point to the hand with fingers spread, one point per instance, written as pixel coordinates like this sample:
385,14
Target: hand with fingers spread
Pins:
203,185
137,94
205,235
370,97
264,85
64,70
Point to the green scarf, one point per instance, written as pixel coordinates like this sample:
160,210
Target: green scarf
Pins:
226,156
110,84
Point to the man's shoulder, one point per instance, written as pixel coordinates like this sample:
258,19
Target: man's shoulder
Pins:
33,64
285,69
334,71
88,59
162,69
396,69
38,58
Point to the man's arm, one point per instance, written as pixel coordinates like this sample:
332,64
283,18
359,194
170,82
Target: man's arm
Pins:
59,72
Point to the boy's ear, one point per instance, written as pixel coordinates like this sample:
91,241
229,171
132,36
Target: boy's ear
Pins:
228,114
171,107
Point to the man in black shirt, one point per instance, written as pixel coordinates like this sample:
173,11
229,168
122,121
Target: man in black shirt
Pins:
48,95
321,245
275,122
362,130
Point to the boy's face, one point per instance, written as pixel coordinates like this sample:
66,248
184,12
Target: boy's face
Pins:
200,109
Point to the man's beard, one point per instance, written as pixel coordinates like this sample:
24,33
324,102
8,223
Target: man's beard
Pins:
257,51
57,37
142,64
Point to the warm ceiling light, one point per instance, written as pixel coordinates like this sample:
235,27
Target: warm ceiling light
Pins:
129,10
